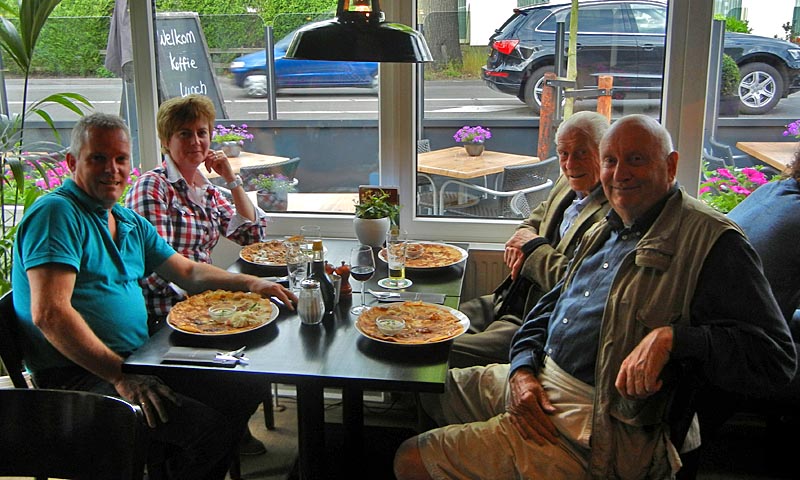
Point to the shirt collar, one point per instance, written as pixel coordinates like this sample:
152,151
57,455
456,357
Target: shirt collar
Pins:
643,223
174,175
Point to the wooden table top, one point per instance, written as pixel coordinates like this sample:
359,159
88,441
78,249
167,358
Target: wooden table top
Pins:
248,159
454,162
775,154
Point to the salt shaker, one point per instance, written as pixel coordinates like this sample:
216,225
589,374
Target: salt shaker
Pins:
310,306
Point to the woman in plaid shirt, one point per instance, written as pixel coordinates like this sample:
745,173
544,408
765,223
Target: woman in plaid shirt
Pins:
188,211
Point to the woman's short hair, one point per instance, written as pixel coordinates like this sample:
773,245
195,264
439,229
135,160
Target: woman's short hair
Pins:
178,111
794,167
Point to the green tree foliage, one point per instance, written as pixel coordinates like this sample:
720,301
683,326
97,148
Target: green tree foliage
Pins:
733,24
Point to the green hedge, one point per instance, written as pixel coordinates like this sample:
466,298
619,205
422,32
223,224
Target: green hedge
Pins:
72,40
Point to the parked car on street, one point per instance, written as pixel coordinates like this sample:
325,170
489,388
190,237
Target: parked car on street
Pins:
250,72
625,39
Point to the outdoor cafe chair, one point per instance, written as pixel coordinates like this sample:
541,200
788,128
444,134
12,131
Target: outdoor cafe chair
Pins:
533,180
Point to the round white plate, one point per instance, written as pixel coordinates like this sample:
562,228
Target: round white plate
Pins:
464,255
273,314
462,319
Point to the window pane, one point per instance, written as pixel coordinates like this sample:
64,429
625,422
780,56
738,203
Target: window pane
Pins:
324,114
500,89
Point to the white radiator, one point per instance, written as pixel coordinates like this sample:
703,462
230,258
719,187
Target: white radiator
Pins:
484,272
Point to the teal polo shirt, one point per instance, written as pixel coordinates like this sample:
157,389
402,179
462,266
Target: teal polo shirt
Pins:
69,227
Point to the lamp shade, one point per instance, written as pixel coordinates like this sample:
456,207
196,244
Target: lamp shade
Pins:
359,36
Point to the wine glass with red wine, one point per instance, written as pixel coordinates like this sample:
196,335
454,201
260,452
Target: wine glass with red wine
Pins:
362,267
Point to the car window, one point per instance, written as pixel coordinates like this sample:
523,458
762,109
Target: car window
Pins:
591,19
650,19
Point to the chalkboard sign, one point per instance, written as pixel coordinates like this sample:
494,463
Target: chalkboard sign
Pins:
184,64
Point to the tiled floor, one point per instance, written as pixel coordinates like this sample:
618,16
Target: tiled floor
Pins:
741,452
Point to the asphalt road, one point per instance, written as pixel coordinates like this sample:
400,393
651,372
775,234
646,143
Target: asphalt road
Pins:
469,99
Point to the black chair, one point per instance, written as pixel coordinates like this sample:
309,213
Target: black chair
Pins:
250,173
533,181
70,434
10,353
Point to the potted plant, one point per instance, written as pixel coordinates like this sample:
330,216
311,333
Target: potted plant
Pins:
231,138
729,87
374,214
724,188
472,138
272,191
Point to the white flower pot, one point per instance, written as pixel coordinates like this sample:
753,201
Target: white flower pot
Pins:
371,231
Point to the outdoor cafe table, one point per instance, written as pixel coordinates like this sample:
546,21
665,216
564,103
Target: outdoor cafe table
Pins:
775,154
248,159
332,354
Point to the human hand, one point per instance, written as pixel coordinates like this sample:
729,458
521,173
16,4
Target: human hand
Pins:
217,161
514,259
529,408
265,288
150,394
520,238
639,373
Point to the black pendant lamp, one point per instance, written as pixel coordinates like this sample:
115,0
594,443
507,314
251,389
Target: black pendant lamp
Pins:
359,34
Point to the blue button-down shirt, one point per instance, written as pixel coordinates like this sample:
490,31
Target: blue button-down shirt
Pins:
572,335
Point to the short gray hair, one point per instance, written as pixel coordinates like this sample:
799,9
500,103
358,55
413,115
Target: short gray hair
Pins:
658,132
592,124
105,121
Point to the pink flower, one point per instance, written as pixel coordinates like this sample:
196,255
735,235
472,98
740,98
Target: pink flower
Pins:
705,190
724,172
741,190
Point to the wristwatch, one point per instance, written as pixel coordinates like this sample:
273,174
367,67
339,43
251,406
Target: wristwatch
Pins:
237,182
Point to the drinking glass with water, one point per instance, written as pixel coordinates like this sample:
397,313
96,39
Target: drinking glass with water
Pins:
296,264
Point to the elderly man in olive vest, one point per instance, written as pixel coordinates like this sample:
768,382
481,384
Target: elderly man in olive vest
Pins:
661,296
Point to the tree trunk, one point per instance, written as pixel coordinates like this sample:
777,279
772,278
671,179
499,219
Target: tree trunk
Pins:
441,32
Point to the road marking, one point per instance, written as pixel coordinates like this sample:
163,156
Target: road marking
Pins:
477,109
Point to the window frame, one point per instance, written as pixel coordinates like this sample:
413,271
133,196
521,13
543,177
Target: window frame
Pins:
683,104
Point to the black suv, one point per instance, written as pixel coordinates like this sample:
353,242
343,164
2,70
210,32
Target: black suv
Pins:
626,39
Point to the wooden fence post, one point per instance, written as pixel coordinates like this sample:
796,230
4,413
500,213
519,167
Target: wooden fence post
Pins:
604,101
547,122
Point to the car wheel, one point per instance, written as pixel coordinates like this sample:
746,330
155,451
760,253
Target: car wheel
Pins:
255,85
533,88
760,90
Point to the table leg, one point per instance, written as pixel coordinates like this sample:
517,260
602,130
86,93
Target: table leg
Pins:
353,422
311,431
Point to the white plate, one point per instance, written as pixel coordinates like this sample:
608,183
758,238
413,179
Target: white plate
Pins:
462,319
273,314
464,255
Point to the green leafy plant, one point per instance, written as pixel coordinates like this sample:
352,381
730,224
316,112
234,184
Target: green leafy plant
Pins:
275,183
376,204
730,77
724,188
733,24
17,158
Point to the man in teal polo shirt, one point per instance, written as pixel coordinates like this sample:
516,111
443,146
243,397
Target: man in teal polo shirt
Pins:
78,257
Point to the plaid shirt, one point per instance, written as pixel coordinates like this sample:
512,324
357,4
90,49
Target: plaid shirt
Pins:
192,224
